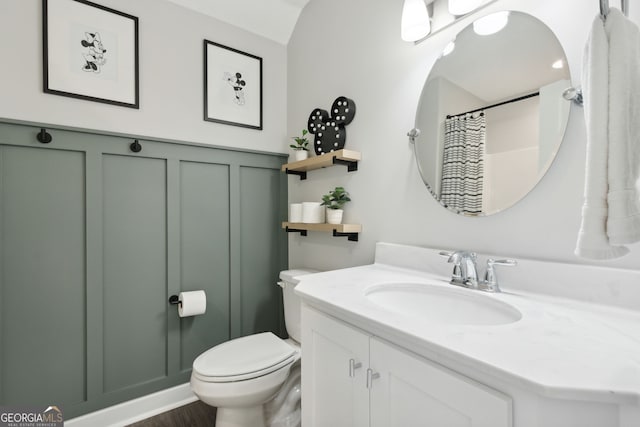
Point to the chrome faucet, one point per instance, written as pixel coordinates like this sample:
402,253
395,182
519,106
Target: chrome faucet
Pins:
465,271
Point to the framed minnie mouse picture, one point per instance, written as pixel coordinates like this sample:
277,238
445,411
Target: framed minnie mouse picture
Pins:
232,86
90,52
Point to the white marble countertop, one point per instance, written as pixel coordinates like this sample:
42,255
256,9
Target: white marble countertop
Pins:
560,348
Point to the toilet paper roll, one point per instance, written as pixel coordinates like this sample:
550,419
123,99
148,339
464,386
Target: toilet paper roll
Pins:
295,212
312,212
192,303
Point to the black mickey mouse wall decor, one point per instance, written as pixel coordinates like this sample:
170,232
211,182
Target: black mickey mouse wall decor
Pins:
329,128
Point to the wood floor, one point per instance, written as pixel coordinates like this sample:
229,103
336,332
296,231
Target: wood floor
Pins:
196,414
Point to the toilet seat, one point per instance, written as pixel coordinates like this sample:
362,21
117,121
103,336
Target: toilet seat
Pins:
244,358
246,376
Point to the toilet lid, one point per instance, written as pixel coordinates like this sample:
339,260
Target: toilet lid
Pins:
246,357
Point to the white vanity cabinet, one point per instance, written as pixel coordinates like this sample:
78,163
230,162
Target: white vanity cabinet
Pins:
350,378
336,358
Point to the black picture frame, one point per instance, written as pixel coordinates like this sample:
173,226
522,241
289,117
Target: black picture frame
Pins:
96,68
232,86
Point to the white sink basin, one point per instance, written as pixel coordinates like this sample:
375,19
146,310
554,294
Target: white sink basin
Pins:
442,304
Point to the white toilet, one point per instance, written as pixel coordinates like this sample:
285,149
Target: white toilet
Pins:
239,376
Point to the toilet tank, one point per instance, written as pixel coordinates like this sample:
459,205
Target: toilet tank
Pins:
292,304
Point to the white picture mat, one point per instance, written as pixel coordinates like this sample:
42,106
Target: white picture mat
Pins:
67,23
220,95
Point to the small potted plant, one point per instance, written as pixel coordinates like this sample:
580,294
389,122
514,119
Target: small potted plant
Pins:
334,201
300,148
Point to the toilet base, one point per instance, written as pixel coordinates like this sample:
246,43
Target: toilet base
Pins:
252,416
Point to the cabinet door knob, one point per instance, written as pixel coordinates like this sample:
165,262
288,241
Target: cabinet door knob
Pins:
353,366
371,376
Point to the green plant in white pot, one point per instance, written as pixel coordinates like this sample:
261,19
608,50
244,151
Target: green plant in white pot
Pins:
334,201
301,146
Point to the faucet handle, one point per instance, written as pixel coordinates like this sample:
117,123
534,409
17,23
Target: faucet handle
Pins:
456,276
490,283
456,256
508,262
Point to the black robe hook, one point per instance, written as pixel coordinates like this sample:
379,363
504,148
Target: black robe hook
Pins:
135,146
44,136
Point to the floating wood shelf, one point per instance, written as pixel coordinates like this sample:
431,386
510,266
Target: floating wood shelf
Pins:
350,231
341,157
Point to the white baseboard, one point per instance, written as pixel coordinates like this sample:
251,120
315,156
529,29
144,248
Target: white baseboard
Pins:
136,410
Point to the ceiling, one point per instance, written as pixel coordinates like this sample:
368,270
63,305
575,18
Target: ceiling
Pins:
273,19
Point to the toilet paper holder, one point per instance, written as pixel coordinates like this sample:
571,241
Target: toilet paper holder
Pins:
175,300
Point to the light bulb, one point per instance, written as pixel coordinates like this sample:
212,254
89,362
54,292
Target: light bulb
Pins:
491,24
558,65
415,20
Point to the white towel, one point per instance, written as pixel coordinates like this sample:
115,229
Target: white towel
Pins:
623,223
593,241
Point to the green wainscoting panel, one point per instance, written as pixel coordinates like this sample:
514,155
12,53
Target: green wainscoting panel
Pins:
95,238
135,270
204,254
42,276
259,187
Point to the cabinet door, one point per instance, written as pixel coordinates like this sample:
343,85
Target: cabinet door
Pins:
335,359
412,392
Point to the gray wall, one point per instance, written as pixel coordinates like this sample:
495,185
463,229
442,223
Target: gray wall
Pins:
370,64
173,218
94,239
171,80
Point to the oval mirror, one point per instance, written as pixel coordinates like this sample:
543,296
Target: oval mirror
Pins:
492,114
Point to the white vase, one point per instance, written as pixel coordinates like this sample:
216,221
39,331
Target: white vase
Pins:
300,155
334,216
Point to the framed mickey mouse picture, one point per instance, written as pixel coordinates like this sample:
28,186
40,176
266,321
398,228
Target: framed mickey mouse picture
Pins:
90,52
232,86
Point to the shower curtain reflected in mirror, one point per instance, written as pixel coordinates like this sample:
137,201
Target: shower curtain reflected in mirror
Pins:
463,164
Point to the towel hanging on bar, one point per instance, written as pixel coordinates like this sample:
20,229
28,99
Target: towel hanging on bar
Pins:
604,8
611,208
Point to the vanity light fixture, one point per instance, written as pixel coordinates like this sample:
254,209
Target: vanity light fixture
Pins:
415,20
462,7
422,19
491,24
558,65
